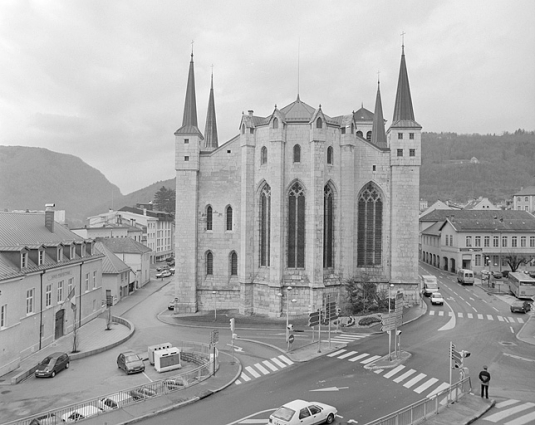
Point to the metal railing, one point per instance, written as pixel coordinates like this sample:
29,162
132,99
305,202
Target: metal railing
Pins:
426,408
195,352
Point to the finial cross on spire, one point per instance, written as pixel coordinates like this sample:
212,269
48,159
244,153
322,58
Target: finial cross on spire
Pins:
378,74
192,47
403,38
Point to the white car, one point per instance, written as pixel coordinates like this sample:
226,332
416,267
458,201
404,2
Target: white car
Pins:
115,401
80,414
436,298
300,412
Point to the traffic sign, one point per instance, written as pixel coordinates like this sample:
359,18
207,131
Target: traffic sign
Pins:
214,337
313,318
291,339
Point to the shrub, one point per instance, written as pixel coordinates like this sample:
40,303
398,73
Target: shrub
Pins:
366,321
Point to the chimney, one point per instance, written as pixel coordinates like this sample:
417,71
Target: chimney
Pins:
49,217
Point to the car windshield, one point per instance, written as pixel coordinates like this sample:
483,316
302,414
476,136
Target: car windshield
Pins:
436,295
132,358
284,413
46,361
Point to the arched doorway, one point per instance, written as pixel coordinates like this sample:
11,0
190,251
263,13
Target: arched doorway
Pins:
58,329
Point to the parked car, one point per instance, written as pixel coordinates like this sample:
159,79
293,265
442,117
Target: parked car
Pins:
141,393
50,365
172,270
162,268
171,305
115,401
163,273
520,307
130,362
505,273
80,414
497,275
436,298
301,412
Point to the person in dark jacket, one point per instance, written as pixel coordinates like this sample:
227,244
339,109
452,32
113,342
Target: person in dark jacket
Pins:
484,377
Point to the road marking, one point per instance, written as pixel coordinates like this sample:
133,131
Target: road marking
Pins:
252,371
278,362
489,316
480,316
520,320
441,313
503,414
500,318
349,353
460,315
268,364
378,371
441,387
335,353
244,377
371,359
526,419
354,359
261,368
405,375
146,376
506,403
470,316
495,308
512,330
425,386
394,371
286,360
330,389
414,380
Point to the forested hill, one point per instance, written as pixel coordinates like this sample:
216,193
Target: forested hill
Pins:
502,165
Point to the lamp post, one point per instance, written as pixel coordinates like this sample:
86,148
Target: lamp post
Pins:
390,319
215,305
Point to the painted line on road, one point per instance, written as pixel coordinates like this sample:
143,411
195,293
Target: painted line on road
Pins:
335,353
405,375
278,362
261,368
441,387
394,371
252,371
489,317
286,360
425,386
354,359
371,359
414,380
505,413
268,364
349,353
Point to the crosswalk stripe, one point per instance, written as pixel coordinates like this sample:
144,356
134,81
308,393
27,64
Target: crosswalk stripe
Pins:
335,353
371,359
244,377
500,318
470,316
261,368
489,316
526,419
405,375
450,313
268,364
507,412
520,320
511,319
354,359
349,353
278,362
441,387
286,360
506,403
480,316
441,313
394,371
378,371
432,313
425,386
252,371
460,315
414,380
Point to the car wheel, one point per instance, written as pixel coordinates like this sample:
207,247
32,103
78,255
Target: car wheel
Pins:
330,419
53,373
67,365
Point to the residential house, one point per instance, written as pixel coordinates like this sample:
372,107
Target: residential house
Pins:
524,200
115,275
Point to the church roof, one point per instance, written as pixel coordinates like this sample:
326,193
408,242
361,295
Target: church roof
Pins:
210,131
189,119
378,129
298,111
403,111
363,115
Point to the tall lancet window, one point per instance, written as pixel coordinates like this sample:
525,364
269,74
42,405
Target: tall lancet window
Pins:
265,225
229,218
209,218
370,227
328,227
296,227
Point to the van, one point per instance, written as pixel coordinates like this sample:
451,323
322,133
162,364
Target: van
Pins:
465,277
429,285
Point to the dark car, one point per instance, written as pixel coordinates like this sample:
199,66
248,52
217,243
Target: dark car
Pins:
497,275
505,273
50,365
130,362
520,307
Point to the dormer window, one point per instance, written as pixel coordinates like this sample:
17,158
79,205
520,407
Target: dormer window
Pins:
319,123
72,252
24,260
41,259
60,254
275,123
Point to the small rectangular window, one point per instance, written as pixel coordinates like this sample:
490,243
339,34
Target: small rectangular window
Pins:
400,136
400,152
94,279
41,258
374,168
343,130
469,241
24,260
48,295
186,141
60,291
186,158
3,316
86,282
412,152
29,301
411,136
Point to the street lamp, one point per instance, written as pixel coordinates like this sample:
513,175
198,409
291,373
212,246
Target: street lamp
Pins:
215,305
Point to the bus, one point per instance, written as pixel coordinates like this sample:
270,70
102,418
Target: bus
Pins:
521,285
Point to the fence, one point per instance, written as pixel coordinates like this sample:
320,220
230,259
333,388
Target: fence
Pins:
424,409
193,352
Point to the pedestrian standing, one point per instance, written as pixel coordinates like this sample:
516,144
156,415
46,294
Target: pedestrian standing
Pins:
484,377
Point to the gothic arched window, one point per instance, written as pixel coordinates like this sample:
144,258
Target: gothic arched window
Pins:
296,227
265,225
328,226
370,227
275,123
208,217
369,136
229,218
209,263
297,153
233,263
319,123
243,129
330,155
359,133
263,155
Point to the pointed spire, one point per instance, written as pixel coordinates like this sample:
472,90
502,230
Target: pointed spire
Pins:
378,129
210,131
403,107
189,119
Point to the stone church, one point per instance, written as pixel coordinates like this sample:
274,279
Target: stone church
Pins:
281,215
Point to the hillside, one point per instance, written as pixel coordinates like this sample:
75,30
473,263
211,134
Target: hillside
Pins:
33,177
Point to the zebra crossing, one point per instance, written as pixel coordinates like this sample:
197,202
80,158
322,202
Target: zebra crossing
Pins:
263,368
477,316
511,412
409,378
346,338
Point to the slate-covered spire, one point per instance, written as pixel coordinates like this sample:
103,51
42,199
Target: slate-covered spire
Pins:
210,131
189,119
403,108
378,129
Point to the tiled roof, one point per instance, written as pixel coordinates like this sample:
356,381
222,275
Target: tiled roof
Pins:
124,245
298,111
111,264
433,230
527,191
363,115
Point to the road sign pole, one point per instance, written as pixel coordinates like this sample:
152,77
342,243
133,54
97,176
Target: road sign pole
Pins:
319,335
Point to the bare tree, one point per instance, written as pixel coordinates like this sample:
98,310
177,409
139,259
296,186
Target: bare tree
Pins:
516,260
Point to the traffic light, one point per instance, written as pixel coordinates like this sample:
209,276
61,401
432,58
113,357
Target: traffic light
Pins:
313,318
338,311
465,354
290,327
232,324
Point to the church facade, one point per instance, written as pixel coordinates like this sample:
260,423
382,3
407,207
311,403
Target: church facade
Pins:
298,202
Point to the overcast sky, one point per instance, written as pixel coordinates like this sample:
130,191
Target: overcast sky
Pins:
105,80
